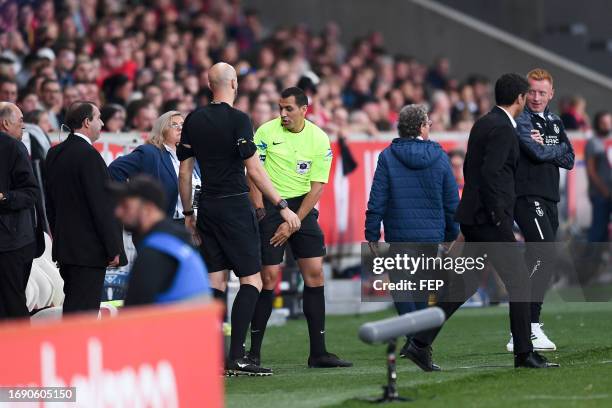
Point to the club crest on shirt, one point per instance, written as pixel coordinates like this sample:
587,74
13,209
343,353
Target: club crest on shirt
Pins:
303,166
538,209
556,128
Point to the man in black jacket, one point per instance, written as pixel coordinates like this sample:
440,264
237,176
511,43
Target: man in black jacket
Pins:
18,198
544,149
86,236
485,213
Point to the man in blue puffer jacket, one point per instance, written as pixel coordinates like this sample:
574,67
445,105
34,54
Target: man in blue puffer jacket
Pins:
414,193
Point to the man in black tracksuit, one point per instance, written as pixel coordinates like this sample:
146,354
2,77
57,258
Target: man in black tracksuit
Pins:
544,149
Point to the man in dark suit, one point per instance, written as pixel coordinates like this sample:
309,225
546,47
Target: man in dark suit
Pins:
486,215
18,199
86,236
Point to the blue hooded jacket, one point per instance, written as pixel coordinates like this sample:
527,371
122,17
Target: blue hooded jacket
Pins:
414,194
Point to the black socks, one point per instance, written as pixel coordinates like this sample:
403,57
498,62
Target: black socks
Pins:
263,310
314,310
242,312
219,294
248,299
222,297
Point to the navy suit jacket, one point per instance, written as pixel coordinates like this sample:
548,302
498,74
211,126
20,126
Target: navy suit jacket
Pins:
149,159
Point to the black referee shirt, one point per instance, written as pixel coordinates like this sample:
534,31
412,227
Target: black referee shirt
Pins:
212,132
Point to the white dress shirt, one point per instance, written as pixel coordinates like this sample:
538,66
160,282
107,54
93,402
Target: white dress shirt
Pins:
178,211
509,116
82,136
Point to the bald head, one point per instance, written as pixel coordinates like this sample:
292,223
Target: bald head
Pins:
7,110
222,78
11,120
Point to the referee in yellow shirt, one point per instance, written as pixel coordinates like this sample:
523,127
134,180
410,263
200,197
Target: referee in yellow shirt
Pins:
297,157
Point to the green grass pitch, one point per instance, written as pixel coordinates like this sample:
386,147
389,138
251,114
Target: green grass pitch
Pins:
477,370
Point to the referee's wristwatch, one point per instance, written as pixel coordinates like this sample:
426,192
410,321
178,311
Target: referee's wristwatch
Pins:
282,204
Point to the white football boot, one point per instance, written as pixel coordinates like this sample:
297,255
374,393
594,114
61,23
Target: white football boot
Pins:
540,340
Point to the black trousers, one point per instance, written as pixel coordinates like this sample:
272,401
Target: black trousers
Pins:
82,287
514,275
538,220
417,298
15,269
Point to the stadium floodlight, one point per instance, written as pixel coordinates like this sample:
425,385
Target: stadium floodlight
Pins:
388,330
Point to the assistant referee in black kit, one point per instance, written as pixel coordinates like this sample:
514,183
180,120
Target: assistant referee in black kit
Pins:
297,157
221,139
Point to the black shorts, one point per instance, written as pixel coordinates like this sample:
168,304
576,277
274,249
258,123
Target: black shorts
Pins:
308,242
230,235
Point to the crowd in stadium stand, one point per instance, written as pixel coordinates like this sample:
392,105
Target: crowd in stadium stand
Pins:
138,59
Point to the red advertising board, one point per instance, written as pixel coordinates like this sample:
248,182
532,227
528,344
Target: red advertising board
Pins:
344,200
148,357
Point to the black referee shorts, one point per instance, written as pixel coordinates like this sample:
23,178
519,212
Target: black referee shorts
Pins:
230,235
308,242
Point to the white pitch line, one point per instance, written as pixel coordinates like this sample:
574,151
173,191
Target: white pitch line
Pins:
566,398
484,366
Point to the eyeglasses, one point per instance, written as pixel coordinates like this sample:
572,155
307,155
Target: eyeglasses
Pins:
177,126
428,122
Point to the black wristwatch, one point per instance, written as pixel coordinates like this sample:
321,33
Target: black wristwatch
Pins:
282,204
188,213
